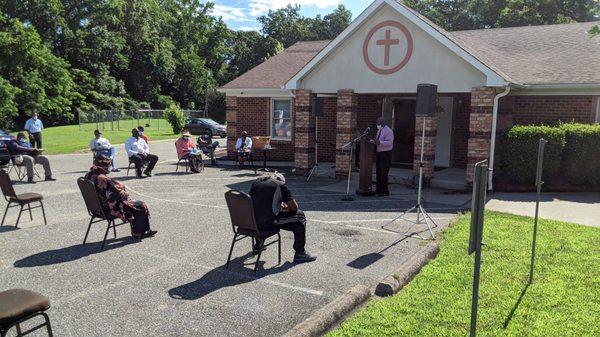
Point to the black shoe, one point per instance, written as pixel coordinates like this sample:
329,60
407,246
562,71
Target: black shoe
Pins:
148,173
30,181
49,178
383,194
150,234
304,257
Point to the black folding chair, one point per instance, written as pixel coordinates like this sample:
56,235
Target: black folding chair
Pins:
131,162
95,210
243,224
18,306
22,200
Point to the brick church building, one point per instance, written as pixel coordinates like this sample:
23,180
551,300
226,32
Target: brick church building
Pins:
488,80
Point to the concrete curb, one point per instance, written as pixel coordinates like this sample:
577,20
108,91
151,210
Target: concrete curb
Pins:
393,283
323,319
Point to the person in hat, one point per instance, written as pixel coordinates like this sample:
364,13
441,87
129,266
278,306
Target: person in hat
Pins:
116,201
100,145
208,147
243,146
186,149
276,208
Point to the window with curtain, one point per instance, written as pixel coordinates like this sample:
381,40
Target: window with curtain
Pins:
281,119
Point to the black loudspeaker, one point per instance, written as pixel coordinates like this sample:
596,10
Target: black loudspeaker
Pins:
317,106
426,98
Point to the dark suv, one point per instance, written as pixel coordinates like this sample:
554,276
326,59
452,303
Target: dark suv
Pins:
4,157
197,126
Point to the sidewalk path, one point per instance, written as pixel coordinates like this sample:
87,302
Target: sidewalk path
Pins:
581,208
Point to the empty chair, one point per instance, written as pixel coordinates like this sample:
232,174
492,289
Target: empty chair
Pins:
22,200
243,223
20,305
95,210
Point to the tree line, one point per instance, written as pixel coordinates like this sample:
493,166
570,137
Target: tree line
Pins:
63,57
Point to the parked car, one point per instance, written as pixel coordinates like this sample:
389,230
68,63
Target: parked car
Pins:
197,126
4,156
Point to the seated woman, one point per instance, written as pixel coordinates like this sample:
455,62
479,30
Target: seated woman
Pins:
116,201
186,149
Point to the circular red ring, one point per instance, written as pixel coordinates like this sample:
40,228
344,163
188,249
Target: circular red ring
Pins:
409,48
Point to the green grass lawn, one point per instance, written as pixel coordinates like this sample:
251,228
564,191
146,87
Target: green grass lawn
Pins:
563,301
69,138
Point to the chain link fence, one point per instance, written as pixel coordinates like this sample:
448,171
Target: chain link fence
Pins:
116,120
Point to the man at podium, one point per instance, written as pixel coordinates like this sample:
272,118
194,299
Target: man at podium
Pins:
385,143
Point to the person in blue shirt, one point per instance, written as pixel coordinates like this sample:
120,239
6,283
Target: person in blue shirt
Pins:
34,127
24,153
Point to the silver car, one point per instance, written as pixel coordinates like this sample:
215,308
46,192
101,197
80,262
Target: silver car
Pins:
197,126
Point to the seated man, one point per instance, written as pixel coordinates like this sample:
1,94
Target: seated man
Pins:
115,199
186,149
139,153
207,146
243,146
101,146
20,147
275,207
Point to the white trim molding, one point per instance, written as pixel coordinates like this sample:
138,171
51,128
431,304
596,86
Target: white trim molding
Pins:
267,92
271,110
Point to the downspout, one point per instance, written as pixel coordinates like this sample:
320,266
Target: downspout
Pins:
493,135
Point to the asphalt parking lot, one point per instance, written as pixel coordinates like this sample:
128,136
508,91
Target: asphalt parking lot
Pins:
175,284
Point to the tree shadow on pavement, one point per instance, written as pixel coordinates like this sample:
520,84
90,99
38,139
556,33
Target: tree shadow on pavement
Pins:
71,253
220,277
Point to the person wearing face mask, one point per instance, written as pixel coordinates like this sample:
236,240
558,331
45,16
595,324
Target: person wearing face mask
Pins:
186,149
206,144
116,201
34,127
100,145
139,153
385,142
20,147
243,147
143,135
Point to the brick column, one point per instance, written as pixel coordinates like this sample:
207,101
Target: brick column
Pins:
347,103
304,132
231,116
480,127
428,146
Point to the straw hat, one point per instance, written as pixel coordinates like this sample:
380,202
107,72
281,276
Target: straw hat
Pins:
186,133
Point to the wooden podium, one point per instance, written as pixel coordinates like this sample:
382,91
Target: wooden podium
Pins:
365,182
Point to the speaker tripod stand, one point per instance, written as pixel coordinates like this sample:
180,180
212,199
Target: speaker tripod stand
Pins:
422,216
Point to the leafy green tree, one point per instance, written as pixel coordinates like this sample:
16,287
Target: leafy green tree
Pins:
247,49
174,115
44,80
478,14
8,106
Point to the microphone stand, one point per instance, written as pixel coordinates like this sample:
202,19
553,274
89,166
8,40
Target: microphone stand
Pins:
351,144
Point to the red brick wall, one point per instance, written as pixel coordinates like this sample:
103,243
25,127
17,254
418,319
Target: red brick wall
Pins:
368,110
253,116
460,130
548,109
326,131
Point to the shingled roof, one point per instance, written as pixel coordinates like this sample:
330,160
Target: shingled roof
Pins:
276,71
551,54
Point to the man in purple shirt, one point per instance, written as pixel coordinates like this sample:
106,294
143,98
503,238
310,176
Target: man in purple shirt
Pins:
385,142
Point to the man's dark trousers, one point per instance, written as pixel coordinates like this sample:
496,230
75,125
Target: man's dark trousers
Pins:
296,223
383,162
139,162
36,140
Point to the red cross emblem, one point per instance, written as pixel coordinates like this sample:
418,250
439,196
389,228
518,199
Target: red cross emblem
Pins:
400,43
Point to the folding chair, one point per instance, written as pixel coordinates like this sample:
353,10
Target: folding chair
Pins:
95,210
187,163
144,164
18,306
243,224
22,200
20,169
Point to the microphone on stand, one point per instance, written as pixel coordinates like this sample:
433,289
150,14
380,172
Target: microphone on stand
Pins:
367,130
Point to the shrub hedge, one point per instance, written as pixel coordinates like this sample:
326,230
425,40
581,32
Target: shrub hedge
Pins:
581,155
174,115
572,153
520,147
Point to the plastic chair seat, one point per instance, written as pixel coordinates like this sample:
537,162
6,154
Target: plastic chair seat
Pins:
19,303
261,234
26,198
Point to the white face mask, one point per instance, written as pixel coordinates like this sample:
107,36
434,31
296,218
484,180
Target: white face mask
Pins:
378,127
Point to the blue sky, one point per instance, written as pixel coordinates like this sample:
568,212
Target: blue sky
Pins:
242,14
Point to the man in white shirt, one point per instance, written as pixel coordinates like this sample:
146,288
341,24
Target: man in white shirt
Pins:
100,145
34,127
244,148
139,153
